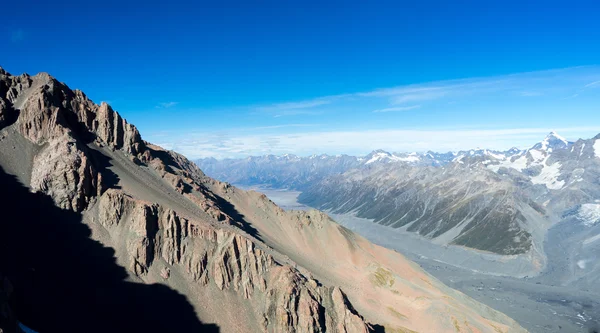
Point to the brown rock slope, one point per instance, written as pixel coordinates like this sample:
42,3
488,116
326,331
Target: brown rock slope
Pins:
243,263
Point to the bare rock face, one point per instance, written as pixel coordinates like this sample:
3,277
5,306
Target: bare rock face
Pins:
115,131
284,299
298,304
63,170
62,121
6,113
347,320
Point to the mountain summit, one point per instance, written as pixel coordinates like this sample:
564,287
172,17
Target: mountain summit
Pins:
552,141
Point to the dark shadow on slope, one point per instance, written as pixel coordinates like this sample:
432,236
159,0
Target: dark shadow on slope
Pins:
66,282
238,218
165,157
376,328
102,163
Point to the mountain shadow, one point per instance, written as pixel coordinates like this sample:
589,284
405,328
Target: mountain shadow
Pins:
238,218
64,281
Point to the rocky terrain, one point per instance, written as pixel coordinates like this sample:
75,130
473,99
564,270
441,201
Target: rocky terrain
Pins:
102,231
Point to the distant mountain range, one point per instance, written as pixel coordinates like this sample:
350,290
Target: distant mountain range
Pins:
497,201
294,172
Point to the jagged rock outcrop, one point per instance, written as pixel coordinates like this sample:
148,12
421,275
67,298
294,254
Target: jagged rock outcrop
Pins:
63,170
284,299
61,121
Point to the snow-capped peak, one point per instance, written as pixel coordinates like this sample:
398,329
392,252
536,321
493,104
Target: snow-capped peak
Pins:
552,141
384,156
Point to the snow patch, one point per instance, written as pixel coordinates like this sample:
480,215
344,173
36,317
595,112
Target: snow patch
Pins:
459,159
581,264
597,148
589,214
410,158
392,158
518,164
376,157
537,155
549,177
496,156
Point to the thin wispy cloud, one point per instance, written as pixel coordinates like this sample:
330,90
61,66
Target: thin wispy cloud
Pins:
530,94
398,109
593,84
418,97
454,105
294,105
531,84
17,35
362,142
166,105
294,112
281,126
571,96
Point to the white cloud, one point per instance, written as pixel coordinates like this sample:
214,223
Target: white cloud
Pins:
166,105
398,108
278,107
284,113
593,84
530,93
418,97
542,83
281,126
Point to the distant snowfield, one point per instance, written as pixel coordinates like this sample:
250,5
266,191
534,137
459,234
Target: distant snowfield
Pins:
412,157
549,176
597,148
518,164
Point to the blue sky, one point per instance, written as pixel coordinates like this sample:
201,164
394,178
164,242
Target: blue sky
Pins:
241,78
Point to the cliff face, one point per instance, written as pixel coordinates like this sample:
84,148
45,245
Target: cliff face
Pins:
159,239
170,224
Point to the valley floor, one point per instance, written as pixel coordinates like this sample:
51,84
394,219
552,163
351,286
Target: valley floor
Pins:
539,302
